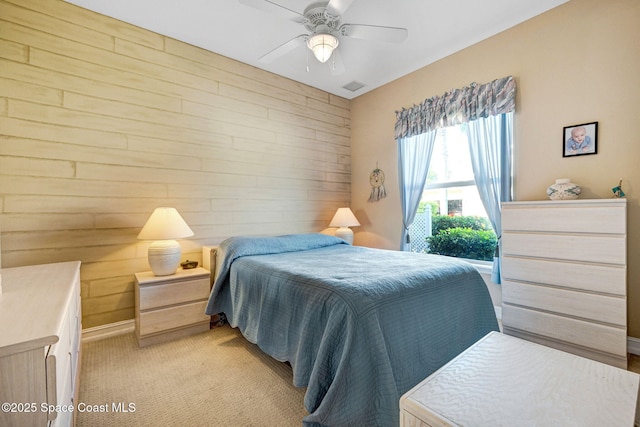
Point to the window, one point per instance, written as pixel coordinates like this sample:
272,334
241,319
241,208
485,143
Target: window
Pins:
450,191
450,184
488,111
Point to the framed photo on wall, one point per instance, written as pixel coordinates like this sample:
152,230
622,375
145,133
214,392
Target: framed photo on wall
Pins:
578,140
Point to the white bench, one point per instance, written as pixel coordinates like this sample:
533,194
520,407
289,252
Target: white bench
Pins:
506,381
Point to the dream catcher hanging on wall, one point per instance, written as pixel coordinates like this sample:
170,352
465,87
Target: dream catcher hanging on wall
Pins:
376,179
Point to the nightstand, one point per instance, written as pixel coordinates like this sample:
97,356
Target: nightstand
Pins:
169,307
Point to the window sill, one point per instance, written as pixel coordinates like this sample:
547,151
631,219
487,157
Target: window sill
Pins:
483,267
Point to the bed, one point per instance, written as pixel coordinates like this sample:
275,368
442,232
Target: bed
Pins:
359,326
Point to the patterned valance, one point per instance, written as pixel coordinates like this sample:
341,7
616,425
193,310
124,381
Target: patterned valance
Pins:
458,106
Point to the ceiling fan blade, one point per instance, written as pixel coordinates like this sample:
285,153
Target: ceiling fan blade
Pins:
338,7
275,8
283,49
335,63
374,32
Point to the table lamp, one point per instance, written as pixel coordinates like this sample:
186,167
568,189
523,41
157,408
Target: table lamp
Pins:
164,226
343,219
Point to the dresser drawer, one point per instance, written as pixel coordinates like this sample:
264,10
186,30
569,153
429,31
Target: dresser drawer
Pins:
585,305
596,336
58,364
76,332
607,279
161,320
161,295
59,381
565,217
607,249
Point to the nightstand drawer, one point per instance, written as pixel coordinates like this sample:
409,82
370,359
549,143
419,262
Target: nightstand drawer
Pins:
161,320
161,295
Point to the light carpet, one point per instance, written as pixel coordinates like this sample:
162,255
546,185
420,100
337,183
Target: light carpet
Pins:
216,378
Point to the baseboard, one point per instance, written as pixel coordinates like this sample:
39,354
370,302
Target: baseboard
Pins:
105,331
633,345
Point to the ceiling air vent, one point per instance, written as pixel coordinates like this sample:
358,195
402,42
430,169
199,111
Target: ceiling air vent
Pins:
353,86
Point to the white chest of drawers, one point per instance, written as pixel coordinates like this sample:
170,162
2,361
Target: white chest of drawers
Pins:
41,320
564,275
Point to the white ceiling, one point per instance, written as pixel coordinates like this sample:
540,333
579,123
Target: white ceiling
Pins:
437,28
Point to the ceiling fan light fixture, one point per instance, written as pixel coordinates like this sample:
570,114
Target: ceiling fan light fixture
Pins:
322,46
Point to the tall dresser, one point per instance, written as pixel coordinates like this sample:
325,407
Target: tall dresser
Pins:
40,315
564,275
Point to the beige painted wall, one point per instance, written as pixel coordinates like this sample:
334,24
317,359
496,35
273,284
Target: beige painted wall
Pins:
577,63
101,122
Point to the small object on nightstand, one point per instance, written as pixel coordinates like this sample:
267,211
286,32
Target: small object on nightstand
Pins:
186,265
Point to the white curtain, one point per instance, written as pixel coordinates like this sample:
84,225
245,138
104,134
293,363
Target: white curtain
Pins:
414,157
490,145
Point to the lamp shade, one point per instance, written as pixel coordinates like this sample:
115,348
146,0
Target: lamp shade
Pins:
344,218
164,226
322,46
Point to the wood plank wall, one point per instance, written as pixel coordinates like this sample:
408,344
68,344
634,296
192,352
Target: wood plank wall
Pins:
102,121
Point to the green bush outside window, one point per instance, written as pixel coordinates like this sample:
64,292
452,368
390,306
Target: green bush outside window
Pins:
463,237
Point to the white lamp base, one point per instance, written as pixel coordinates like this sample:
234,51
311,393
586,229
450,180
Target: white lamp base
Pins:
345,234
164,257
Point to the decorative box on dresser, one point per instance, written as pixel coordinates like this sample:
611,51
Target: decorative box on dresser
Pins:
564,275
40,314
169,307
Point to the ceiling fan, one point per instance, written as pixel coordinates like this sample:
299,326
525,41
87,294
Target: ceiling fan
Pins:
323,23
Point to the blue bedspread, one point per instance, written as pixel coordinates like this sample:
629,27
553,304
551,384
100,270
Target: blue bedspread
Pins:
359,326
